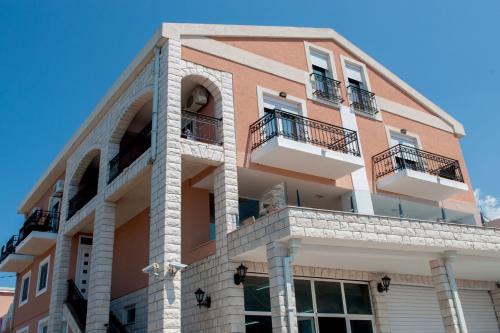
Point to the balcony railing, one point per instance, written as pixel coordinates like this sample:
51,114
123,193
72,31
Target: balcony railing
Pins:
362,100
326,88
402,157
77,305
302,129
39,220
198,127
128,154
81,198
9,247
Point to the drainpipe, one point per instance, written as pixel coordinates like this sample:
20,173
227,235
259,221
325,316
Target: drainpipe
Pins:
293,246
154,117
448,259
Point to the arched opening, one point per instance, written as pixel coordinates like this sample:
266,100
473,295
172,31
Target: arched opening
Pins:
200,112
85,184
135,140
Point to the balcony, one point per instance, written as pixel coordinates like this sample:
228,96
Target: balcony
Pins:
288,141
10,261
128,154
362,100
81,198
414,172
326,88
38,233
201,128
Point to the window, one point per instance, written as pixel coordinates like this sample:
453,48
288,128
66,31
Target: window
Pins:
408,158
130,314
43,276
43,325
25,287
257,304
322,306
25,329
247,208
333,306
361,98
211,204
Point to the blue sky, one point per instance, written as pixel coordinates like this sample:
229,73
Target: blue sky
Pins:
58,58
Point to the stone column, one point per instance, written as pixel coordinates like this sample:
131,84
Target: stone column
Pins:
101,263
380,308
280,303
447,294
164,291
60,273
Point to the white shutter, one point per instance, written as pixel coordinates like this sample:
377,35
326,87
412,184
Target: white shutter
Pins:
397,139
354,72
274,103
413,309
478,311
320,60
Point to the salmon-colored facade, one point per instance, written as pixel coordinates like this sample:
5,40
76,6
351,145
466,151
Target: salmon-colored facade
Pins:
284,153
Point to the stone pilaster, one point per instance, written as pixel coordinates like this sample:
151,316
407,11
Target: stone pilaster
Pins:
101,263
276,254
164,291
447,294
380,308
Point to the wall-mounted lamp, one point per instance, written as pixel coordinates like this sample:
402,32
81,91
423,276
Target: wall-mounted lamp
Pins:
403,131
201,299
384,285
240,275
283,94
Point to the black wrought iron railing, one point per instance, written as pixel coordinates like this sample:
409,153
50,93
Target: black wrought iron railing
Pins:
77,305
362,100
80,199
198,127
402,157
9,247
39,220
298,128
326,88
128,154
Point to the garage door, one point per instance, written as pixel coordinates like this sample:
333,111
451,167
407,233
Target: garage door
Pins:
413,310
478,311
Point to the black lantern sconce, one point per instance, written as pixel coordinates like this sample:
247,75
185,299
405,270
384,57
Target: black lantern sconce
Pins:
240,275
384,285
201,299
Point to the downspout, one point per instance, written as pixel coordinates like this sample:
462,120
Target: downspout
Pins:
293,246
154,116
449,258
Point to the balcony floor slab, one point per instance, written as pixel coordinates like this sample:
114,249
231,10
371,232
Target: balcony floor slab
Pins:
16,262
36,243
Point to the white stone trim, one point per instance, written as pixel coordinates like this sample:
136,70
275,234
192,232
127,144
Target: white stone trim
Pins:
391,129
39,291
261,91
25,329
42,322
25,276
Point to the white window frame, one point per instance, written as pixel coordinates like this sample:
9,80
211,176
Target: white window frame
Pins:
261,92
309,48
41,323
39,291
315,314
25,276
25,329
390,130
364,71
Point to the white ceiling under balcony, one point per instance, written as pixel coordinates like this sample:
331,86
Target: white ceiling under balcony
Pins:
421,185
306,158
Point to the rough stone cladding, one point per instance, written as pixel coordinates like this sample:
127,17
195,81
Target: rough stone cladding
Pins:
138,299
98,142
306,222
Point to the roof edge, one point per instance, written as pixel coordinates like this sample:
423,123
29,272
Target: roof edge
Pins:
57,166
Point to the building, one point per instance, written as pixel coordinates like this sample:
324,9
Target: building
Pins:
6,308
284,157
